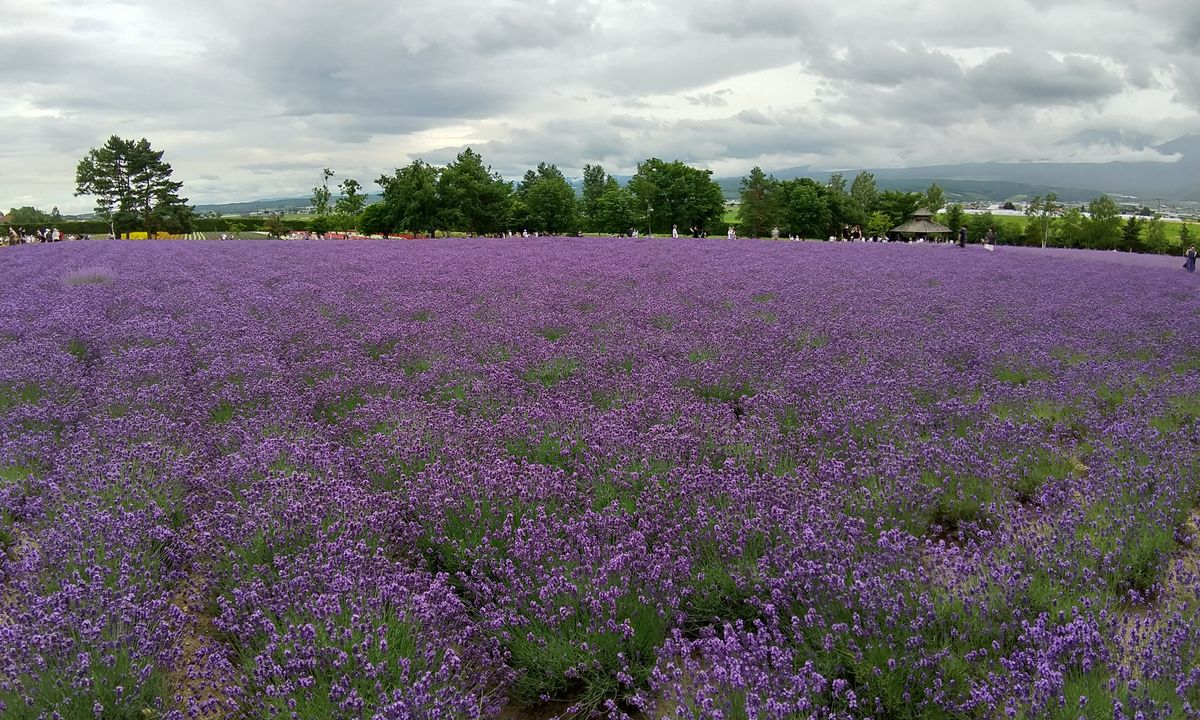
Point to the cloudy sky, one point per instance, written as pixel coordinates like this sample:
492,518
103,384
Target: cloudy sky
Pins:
251,98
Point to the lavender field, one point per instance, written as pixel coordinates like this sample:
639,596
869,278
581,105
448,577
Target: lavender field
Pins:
596,478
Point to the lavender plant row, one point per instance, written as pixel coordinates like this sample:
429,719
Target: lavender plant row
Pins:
584,478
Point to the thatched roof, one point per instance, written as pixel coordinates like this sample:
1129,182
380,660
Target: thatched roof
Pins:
921,226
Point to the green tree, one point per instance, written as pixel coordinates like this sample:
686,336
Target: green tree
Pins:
934,199
595,180
1131,234
549,200
321,194
375,220
900,206
616,211
274,226
29,216
410,200
1071,230
1041,212
760,209
805,207
837,200
1185,236
1156,235
878,224
954,216
1103,226
132,186
352,200
864,196
675,194
320,225
472,197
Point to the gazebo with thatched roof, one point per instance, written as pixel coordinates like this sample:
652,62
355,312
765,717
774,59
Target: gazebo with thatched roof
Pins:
921,225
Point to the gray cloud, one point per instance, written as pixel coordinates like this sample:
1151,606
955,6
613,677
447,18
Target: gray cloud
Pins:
254,98
1039,79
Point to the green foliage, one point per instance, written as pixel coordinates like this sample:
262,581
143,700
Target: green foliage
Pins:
548,200
348,647
878,224
1019,374
616,210
1041,212
352,200
958,500
675,194
33,217
1184,412
112,677
934,199
411,201
806,208
1042,466
553,332
1156,236
334,411
577,659
1131,234
12,396
551,372
471,196
321,195
954,216
222,413
900,206
1103,227
273,226
78,348
595,182
760,209
548,450
133,187
864,197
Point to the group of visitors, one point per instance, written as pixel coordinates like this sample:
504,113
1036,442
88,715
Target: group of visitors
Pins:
19,236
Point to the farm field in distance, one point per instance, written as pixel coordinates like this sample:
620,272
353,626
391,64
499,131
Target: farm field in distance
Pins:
533,478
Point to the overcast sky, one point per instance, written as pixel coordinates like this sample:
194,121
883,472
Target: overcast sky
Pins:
251,98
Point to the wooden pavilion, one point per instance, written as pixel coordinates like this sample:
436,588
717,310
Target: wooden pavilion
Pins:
922,225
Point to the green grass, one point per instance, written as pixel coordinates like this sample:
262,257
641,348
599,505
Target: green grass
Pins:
78,348
959,500
222,413
54,690
1184,412
1019,374
1043,466
334,411
663,322
551,372
553,332
12,396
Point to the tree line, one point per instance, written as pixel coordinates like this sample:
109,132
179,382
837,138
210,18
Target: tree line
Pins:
133,189
466,195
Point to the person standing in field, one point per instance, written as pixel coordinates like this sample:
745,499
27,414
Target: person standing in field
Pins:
1189,262
990,237
675,231
731,234
962,237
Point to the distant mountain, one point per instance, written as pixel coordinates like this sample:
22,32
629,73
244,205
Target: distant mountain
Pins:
268,205
955,189
1173,174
